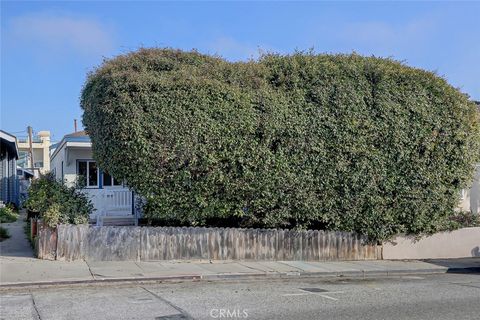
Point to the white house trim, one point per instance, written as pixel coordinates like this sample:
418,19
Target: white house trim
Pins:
109,200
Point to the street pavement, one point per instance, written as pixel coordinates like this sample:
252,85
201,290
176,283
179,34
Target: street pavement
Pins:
429,296
39,289
19,268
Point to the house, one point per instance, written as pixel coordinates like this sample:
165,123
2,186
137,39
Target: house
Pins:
72,162
24,181
39,160
9,188
470,198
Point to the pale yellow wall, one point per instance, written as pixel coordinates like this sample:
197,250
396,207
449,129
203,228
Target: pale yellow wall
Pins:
41,151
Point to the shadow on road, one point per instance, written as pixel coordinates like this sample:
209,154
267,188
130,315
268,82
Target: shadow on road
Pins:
459,265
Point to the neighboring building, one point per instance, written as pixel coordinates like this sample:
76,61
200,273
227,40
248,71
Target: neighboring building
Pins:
470,199
72,161
41,153
24,181
9,188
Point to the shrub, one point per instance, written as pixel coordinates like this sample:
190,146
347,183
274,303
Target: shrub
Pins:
4,234
340,142
27,230
58,203
52,216
464,219
7,215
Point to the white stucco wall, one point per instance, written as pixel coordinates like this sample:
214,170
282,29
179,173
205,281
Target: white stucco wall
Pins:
55,164
471,201
70,164
456,244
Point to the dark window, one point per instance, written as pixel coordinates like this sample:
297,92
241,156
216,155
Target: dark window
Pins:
92,174
82,172
107,179
117,182
87,173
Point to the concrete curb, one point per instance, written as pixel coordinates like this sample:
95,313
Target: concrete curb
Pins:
237,276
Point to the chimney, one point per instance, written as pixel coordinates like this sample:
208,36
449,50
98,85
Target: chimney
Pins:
75,124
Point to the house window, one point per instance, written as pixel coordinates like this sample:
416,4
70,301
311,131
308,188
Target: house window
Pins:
38,164
87,172
109,181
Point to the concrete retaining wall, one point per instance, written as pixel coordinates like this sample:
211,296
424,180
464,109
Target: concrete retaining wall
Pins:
456,244
151,243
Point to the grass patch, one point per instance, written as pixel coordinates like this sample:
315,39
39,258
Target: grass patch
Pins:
26,229
7,215
4,234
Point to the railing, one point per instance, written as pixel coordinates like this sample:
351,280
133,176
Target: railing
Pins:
118,200
25,140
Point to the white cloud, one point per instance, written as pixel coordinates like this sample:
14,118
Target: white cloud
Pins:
55,33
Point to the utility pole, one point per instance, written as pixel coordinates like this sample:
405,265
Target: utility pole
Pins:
29,128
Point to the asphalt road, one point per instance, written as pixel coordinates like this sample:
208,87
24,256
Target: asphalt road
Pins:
442,296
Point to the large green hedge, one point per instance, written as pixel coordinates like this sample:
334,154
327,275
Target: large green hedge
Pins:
342,142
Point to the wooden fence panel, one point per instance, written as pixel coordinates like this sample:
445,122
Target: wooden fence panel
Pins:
70,242
46,243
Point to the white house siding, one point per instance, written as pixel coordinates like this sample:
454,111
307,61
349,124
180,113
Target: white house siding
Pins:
107,201
471,197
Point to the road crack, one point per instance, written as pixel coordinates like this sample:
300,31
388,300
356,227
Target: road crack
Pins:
35,307
184,313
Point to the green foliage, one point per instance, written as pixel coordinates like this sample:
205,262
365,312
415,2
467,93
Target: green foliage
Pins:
27,230
464,219
340,142
4,234
58,203
8,214
53,215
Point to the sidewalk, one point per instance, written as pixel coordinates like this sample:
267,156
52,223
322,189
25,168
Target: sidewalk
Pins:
17,245
19,268
23,271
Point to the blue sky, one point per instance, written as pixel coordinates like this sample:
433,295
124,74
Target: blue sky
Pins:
47,48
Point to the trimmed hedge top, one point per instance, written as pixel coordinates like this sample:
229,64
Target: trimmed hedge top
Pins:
341,142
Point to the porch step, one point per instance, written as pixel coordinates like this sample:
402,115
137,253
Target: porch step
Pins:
118,221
